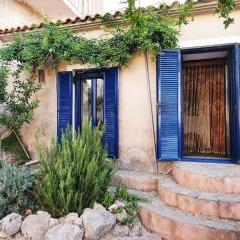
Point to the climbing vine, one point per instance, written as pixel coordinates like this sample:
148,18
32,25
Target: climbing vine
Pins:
149,29
224,9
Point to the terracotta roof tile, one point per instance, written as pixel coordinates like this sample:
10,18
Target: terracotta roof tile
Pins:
87,18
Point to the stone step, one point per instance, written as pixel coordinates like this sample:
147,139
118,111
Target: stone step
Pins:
216,205
137,180
216,178
176,224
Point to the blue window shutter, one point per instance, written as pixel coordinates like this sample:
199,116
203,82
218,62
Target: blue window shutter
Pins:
111,111
169,116
64,103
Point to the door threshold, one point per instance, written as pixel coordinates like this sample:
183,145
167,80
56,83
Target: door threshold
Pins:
208,160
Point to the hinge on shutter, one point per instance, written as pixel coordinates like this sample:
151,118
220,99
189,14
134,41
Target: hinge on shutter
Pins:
158,107
74,78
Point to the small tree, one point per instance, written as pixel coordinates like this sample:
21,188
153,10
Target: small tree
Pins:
16,106
74,174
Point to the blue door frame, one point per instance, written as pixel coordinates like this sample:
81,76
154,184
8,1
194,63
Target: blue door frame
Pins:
234,108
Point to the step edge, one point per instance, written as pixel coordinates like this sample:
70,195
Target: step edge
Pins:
155,203
197,193
200,220
143,175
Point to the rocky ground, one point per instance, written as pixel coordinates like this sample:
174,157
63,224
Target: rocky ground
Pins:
93,224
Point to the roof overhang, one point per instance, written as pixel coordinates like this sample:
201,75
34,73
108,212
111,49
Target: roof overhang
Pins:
55,9
93,22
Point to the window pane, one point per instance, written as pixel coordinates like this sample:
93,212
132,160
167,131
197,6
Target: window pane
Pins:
86,98
99,104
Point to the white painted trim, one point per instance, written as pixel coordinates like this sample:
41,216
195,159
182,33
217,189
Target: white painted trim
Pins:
209,42
73,67
73,7
207,55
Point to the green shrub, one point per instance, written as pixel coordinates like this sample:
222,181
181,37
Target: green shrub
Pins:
131,203
108,200
75,174
16,189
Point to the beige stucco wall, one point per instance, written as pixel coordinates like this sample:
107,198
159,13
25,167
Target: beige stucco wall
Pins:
136,143
44,124
13,13
209,26
135,130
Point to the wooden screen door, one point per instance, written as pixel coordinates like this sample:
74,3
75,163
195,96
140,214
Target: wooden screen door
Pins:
206,112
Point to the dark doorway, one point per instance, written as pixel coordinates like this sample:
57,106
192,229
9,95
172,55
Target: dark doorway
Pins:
206,111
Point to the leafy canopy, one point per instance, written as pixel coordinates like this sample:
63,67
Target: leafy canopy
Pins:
142,29
224,9
17,105
149,29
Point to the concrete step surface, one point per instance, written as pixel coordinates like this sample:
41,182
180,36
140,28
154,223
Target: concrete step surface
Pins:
216,178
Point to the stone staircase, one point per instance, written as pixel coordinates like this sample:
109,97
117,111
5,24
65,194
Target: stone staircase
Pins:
196,202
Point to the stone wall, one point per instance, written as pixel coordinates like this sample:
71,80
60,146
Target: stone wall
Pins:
93,224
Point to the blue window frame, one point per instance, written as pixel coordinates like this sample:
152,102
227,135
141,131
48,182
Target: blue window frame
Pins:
91,83
108,103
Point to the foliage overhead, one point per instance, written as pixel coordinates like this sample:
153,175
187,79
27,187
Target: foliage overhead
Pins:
75,174
224,9
142,29
147,29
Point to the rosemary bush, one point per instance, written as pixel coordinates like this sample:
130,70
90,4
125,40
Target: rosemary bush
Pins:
75,174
